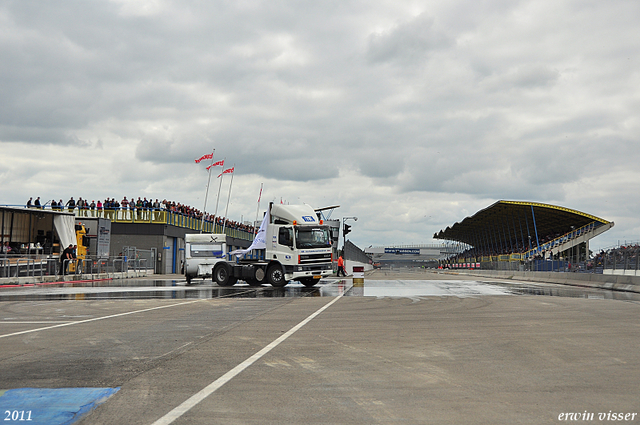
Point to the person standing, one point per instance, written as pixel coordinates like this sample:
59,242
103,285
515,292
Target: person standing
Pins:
65,257
125,207
71,204
341,267
81,206
156,208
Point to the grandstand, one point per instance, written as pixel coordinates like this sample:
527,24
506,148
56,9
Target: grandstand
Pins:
510,233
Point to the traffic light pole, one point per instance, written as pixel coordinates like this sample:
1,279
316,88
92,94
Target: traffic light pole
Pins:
346,229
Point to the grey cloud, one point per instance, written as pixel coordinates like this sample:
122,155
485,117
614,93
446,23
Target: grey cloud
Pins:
408,42
462,102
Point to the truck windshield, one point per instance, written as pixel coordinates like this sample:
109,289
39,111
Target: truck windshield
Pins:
206,250
312,237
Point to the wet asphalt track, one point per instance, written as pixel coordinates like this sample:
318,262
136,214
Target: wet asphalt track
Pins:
417,349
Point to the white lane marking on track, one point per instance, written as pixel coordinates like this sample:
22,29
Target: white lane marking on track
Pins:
96,318
215,385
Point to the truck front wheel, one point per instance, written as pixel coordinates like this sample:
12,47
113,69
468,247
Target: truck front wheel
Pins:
275,276
309,281
222,276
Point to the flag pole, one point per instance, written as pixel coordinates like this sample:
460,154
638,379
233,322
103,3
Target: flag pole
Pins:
228,197
215,214
206,194
255,222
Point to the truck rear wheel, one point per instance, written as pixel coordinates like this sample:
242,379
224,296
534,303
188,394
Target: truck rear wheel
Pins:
222,276
275,276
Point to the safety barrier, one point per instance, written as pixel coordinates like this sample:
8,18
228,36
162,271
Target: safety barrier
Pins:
41,269
26,266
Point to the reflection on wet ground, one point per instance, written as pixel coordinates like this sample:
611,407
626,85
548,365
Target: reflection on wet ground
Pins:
178,289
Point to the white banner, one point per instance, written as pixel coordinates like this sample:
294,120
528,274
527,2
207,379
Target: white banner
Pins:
260,241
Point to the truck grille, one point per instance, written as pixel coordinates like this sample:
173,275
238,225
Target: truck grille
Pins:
315,258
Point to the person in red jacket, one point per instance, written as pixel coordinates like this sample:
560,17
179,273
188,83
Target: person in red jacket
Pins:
341,266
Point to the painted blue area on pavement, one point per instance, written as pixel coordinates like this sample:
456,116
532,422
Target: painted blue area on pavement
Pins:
51,406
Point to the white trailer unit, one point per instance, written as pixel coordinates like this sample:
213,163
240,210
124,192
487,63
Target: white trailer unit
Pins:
297,246
202,252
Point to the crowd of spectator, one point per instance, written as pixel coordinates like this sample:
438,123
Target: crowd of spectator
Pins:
546,251
623,257
139,209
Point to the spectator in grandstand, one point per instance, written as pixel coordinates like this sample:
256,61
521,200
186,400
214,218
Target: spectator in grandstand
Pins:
6,249
29,202
132,207
125,207
139,206
71,204
81,206
36,203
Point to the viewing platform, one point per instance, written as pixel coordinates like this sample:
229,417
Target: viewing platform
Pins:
164,217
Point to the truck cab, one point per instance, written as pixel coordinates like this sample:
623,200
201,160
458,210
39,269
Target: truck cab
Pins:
300,243
297,247
202,252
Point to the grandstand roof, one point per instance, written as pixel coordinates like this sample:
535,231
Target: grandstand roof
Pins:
513,219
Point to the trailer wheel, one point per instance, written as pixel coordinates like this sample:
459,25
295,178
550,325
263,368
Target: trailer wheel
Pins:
222,276
275,276
309,281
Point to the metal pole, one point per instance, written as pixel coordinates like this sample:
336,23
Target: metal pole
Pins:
206,194
215,214
255,229
535,227
224,223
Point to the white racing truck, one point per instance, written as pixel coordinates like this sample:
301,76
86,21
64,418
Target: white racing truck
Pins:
203,251
295,244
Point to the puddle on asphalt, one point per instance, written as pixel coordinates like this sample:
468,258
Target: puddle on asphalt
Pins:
133,289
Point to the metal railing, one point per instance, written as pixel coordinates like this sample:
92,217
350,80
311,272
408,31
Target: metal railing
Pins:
159,216
154,216
615,261
41,266
557,242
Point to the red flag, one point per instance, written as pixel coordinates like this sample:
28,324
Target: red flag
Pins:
227,171
207,156
217,164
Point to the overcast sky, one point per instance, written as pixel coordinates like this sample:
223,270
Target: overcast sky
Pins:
410,115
